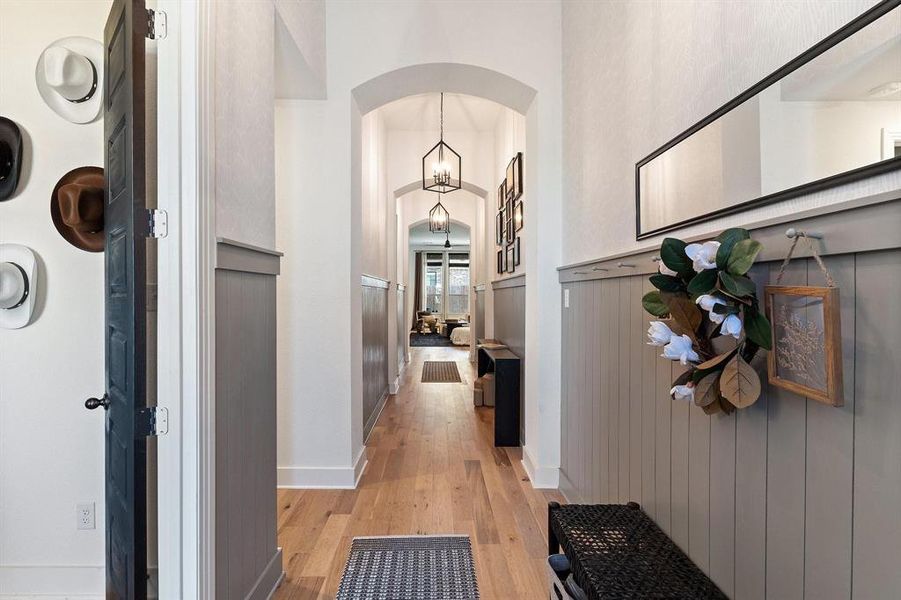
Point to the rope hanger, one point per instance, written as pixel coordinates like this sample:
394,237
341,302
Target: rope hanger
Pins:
813,250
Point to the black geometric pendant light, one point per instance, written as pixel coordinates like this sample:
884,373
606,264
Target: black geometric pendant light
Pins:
439,218
441,165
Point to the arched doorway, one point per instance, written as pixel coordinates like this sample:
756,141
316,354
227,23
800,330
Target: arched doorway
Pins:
317,187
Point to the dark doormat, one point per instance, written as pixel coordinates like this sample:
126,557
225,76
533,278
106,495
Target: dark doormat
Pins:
409,568
440,371
425,340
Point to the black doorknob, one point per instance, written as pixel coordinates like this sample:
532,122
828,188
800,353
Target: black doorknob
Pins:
92,403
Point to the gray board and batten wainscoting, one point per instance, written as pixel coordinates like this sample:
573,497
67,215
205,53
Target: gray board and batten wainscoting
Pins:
510,328
789,498
248,560
375,349
402,329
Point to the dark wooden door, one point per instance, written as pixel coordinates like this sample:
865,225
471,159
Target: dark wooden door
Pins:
126,226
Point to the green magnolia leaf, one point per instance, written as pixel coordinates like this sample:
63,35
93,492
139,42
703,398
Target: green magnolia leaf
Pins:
667,283
727,240
672,253
653,303
743,255
758,330
682,378
725,309
739,383
702,283
684,312
749,349
737,286
707,390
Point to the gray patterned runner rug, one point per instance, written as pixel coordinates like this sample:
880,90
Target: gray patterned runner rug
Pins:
409,568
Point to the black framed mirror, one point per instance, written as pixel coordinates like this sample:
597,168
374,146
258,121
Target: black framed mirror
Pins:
830,116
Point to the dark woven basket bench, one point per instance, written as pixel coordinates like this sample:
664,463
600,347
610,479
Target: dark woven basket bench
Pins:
616,552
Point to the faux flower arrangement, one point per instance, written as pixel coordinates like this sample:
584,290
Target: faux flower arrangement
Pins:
712,321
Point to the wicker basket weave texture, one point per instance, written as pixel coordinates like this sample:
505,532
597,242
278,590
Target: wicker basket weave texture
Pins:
617,553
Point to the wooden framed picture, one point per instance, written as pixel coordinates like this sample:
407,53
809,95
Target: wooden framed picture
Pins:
499,226
807,341
516,190
500,261
516,251
509,182
517,215
511,229
510,259
501,195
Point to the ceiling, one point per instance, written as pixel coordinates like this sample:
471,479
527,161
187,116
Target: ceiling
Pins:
421,236
422,112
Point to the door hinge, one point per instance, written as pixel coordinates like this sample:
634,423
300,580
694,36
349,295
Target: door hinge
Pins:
152,421
157,223
156,24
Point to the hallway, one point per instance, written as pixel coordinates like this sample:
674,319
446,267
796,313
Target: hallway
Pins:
432,469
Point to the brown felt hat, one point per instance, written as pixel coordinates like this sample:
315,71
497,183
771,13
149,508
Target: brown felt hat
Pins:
76,207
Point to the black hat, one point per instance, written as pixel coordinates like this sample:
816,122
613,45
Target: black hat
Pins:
10,158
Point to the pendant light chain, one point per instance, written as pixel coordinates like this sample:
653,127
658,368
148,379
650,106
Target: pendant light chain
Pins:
444,175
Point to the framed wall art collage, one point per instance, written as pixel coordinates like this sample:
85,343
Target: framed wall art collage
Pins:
509,217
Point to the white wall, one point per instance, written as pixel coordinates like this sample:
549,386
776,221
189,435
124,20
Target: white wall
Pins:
317,203
244,105
510,136
51,448
635,74
249,66
375,201
300,48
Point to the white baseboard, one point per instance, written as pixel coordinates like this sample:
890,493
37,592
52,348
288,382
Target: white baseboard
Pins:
330,478
542,478
52,582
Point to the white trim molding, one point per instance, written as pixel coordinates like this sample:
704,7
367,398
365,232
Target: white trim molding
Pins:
185,375
328,478
542,478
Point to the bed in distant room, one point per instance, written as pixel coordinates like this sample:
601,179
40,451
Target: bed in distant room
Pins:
460,336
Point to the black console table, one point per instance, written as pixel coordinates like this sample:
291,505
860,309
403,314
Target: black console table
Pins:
506,368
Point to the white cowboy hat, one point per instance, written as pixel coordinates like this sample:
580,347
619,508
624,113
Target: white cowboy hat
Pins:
69,75
18,277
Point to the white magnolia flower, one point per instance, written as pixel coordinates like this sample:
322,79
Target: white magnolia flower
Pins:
679,348
659,334
664,270
707,302
703,255
683,392
731,326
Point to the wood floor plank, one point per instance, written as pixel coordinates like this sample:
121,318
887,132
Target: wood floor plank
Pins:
432,469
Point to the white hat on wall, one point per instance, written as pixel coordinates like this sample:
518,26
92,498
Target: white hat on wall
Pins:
69,76
18,270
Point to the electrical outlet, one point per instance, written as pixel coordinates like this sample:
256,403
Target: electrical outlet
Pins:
84,514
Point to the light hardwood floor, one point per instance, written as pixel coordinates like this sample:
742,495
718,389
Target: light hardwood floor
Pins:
433,469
